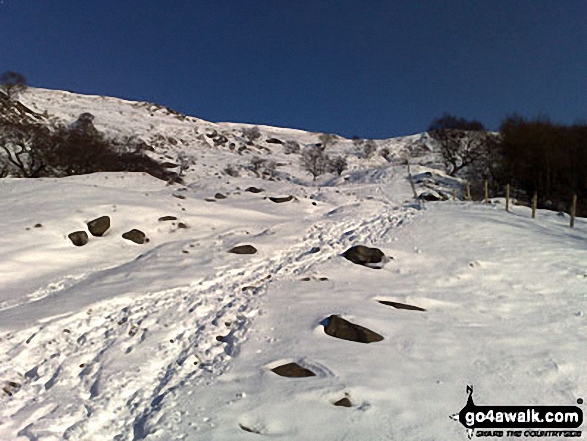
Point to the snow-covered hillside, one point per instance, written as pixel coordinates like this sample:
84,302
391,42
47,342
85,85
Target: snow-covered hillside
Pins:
177,338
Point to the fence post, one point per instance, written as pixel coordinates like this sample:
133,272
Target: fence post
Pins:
507,197
468,191
534,204
486,184
454,194
573,210
412,181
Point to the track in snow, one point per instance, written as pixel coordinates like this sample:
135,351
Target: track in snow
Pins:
186,334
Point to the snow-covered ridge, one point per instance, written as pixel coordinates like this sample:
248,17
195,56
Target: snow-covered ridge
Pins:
172,134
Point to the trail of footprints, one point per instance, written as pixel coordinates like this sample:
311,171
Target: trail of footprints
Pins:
68,356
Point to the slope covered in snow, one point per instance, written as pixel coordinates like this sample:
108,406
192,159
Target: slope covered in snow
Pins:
176,338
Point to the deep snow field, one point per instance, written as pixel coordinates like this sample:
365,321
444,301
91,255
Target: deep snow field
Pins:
175,339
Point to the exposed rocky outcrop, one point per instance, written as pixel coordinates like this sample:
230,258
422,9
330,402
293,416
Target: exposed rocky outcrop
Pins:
398,305
293,370
343,402
345,330
243,249
279,200
136,236
78,238
362,255
99,226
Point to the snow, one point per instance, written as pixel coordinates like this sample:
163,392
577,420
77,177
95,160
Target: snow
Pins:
175,338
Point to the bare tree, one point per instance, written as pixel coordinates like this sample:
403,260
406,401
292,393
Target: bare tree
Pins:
337,165
12,83
251,133
385,154
291,147
314,161
269,169
185,161
369,148
231,170
462,143
23,148
263,167
327,139
256,164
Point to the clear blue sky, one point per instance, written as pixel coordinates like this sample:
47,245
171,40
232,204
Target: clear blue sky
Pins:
374,68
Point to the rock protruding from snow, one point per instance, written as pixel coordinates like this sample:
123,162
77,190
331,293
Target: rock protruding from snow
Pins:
99,226
254,190
136,236
243,249
219,196
280,200
167,218
248,429
343,402
345,330
293,370
78,238
362,255
398,305
431,196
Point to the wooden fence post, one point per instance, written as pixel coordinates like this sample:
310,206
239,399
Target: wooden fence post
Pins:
534,204
412,181
573,210
468,191
454,194
486,184
507,197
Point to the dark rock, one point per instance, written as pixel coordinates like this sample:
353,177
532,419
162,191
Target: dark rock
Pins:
243,249
362,255
181,225
281,200
99,226
274,141
293,370
167,218
38,225
345,330
136,236
178,196
169,165
254,190
398,305
344,402
219,196
430,196
314,250
248,429
78,238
